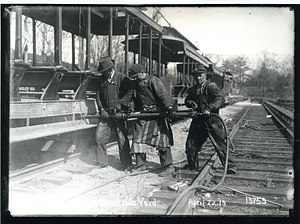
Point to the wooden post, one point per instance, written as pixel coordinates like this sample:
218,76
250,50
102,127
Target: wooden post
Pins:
34,42
18,46
58,37
88,39
73,52
159,56
110,50
127,45
150,53
25,58
183,71
140,43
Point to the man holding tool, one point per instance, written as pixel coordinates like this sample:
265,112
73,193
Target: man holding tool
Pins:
110,100
206,97
150,96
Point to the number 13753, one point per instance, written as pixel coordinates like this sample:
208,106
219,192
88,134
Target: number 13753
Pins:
255,200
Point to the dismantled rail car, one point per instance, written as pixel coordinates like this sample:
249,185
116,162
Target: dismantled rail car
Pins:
177,50
47,102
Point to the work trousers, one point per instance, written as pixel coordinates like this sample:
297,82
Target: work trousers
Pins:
165,157
103,133
201,128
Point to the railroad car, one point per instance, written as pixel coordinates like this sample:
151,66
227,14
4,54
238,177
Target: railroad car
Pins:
47,102
177,51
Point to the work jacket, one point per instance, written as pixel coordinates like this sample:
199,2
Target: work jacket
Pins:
110,93
206,96
151,94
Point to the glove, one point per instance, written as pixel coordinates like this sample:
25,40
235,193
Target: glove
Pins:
191,103
103,114
172,113
115,109
130,110
130,107
206,113
194,114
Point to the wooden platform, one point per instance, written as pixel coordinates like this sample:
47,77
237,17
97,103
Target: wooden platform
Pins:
40,131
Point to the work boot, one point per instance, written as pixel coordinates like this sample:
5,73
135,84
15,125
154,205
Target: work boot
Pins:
232,170
139,169
127,168
188,167
169,171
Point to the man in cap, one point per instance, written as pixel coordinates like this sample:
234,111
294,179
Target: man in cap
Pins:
110,99
206,97
151,95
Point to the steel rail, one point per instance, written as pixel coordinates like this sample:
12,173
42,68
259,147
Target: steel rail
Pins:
181,205
26,174
276,113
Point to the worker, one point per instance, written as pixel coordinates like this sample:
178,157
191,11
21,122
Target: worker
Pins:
206,97
110,100
151,95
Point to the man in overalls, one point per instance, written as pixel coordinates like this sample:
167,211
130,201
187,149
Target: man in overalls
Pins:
206,97
151,96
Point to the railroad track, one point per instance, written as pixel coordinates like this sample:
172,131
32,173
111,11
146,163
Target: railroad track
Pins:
264,160
262,185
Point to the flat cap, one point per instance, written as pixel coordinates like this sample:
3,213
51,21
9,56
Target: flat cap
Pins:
199,70
135,69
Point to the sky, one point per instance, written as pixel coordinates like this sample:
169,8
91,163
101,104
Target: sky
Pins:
235,30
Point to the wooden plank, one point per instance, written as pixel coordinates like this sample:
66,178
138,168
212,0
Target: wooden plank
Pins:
252,150
80,170
273,147
40,131
256,191
51,108
47,145
262,169
260,138
32,172
247,146
183,174
264,151
268,144
273,134
255,178
257,161
57,180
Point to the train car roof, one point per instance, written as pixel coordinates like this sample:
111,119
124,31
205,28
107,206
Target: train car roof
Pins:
173,49
218,70
99,19
171,31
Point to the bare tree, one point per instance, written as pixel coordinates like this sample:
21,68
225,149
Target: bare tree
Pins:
46,42
238,66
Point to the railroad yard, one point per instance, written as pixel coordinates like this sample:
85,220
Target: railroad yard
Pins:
69,99
265,176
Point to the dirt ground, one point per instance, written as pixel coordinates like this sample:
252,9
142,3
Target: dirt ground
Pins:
101,191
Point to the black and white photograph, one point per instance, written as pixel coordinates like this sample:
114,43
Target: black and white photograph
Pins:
150,110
